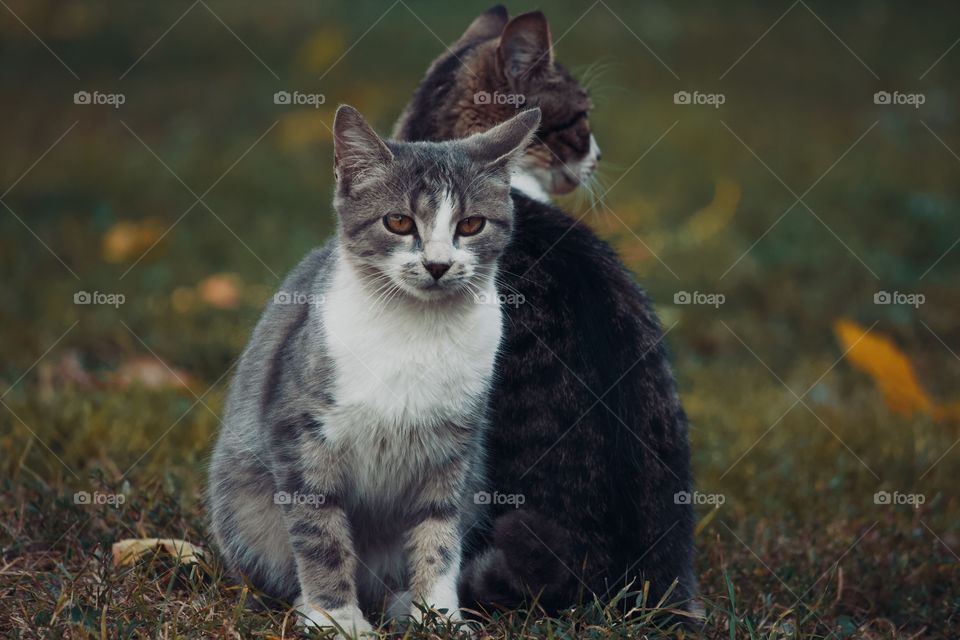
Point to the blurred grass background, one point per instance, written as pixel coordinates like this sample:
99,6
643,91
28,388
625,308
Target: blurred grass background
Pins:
694,214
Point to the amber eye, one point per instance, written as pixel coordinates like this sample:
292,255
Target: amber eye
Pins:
399,224
471,226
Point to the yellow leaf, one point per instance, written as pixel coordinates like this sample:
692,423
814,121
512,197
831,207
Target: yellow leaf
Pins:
221,290
891,370
128,551
715,216
127,241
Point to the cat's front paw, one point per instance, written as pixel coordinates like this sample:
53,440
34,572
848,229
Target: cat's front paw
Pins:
349,619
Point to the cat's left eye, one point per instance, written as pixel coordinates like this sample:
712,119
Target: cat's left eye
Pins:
471,226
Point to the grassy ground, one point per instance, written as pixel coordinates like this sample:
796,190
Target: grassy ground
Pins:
798,549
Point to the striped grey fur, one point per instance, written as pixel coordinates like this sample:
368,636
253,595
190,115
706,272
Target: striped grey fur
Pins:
353,439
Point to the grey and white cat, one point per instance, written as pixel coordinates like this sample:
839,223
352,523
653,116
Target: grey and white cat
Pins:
353,439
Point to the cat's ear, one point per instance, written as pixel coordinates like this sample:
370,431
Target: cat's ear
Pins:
358,150
501,145
525,48
487,25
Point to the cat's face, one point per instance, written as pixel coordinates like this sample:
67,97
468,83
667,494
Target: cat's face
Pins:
497,68
564,153
427,220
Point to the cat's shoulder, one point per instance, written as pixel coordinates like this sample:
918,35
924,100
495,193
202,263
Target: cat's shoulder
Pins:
547,240
289,306
316,263
558,260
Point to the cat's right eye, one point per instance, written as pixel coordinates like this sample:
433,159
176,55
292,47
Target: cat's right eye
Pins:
399,224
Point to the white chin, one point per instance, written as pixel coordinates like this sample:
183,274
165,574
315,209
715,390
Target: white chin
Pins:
428,294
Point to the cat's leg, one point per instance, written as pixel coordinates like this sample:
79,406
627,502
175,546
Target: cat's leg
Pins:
433,543
323,549
434,552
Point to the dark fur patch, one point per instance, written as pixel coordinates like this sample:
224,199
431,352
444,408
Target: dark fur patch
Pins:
435,511
588,332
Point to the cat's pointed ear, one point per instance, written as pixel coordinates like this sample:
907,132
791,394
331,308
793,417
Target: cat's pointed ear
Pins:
501,145
358,150
525,49
487,25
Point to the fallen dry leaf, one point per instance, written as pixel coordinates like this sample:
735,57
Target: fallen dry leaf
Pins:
221,290
149,372
127,552
126,241
876,355
714,217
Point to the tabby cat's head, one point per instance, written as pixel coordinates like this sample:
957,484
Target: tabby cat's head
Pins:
497,68
427,219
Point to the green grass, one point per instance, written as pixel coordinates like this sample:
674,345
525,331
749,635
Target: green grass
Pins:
798,549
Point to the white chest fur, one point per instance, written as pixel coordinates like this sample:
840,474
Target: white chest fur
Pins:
406,366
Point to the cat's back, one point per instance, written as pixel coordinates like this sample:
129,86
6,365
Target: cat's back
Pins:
563,263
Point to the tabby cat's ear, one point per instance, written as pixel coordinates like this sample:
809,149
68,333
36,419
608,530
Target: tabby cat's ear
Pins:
487,25
525,48
500,146
358,150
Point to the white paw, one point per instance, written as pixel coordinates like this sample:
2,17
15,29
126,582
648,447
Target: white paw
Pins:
443,596
348,618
